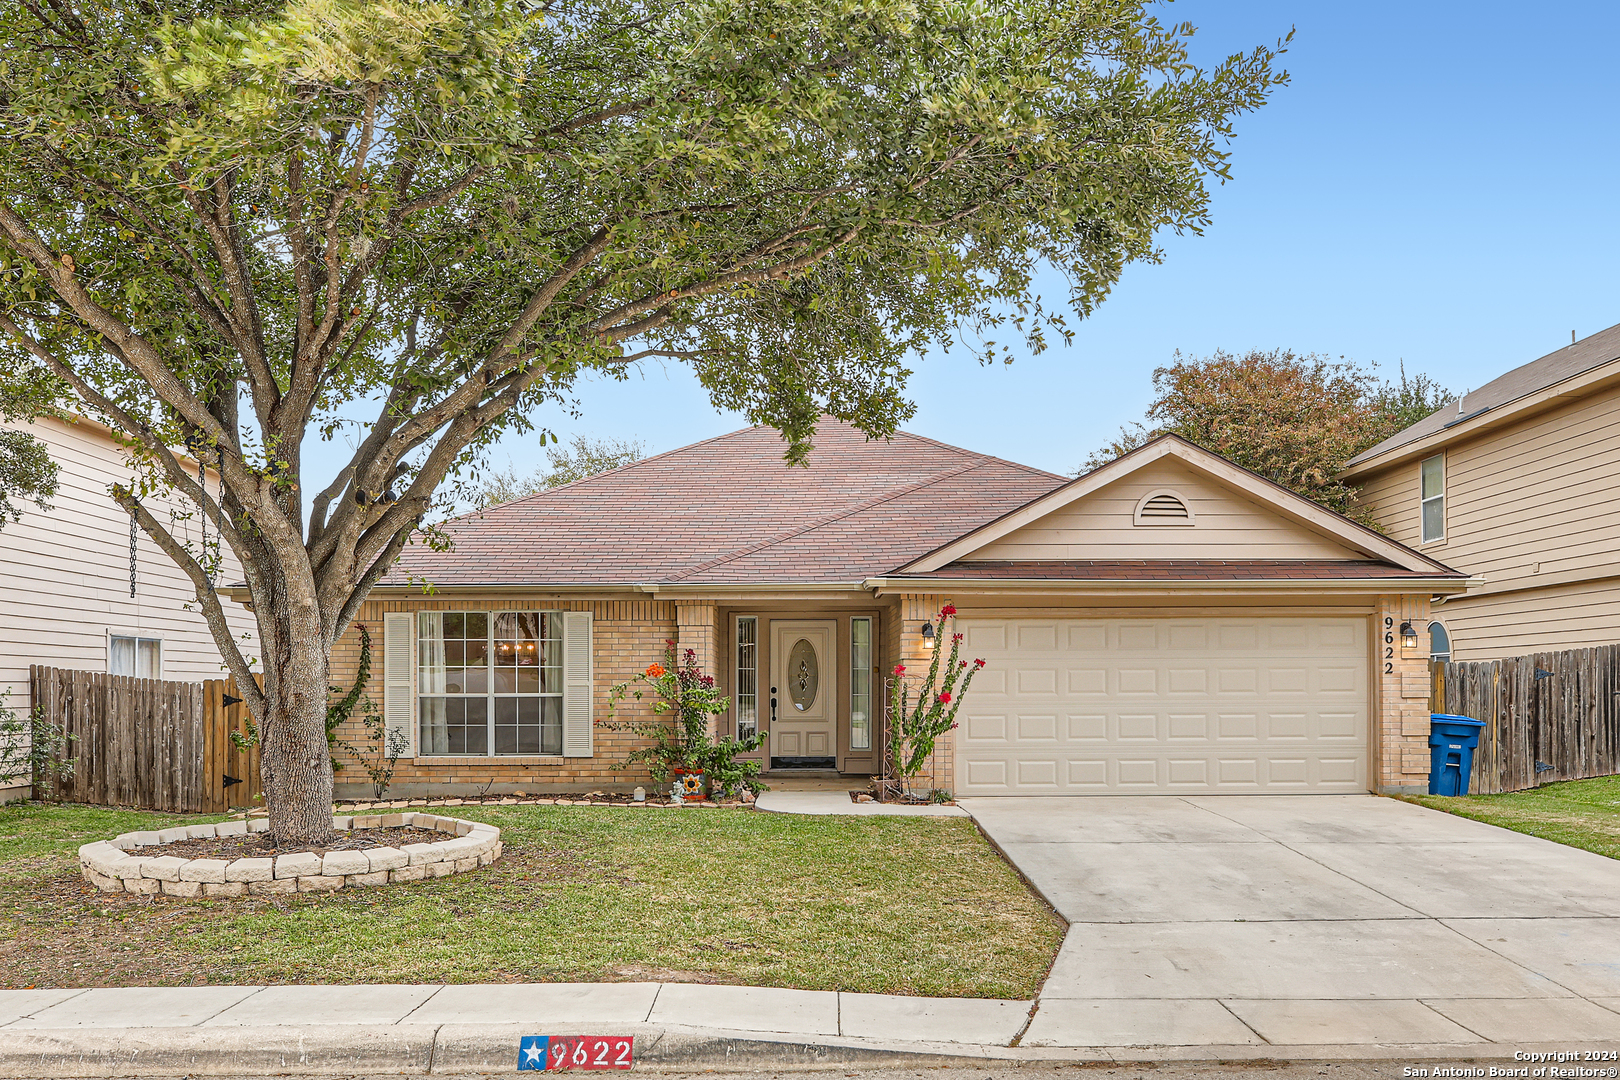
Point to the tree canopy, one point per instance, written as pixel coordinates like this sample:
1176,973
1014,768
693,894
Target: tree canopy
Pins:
1294,419
230,225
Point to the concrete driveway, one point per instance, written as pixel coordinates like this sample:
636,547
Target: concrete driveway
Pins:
1311,920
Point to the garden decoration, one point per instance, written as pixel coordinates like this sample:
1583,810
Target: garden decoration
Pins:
684,699
920,714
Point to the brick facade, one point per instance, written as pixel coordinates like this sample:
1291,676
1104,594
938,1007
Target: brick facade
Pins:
1401,699
915,609
627,635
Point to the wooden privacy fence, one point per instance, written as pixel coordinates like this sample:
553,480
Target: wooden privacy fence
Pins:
1548,716
148,743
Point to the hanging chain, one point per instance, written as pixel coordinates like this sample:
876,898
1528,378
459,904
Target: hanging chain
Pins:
132,553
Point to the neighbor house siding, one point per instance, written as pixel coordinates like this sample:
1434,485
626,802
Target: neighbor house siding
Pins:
1102,526
1534,508
64,574
627,636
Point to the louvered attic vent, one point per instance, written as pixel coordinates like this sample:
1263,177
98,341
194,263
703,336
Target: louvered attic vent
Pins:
1163,508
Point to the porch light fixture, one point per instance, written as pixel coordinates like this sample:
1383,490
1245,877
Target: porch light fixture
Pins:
1408,636
928,635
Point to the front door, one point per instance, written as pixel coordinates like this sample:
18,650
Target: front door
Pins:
804,693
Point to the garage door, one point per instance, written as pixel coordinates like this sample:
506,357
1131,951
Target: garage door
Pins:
1164,706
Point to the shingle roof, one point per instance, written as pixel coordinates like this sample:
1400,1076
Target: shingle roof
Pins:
1178,570
1584,355
730,511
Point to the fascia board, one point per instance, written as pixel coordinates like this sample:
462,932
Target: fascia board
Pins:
1593,379
1444,585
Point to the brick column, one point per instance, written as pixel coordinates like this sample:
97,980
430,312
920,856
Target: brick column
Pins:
1402,699
695,629
916,609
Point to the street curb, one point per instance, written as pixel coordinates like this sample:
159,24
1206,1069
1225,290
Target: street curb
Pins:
461,1049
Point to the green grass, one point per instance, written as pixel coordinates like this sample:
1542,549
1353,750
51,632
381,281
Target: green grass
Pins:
1580,813
872,904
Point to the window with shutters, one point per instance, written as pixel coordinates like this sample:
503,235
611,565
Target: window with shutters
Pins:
489,683
1164,507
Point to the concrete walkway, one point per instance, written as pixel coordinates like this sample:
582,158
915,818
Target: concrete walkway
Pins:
1311,920
823,803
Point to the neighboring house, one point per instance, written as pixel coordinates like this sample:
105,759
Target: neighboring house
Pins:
1167,624
66,595
1517,482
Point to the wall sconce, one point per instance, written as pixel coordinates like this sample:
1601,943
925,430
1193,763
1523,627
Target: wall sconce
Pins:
1408,636
928,635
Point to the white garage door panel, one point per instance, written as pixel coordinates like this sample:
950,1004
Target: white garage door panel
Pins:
1137,706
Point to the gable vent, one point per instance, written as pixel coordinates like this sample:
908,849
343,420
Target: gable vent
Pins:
1163,508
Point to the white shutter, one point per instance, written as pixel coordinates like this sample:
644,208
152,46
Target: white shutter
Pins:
397,671
577,684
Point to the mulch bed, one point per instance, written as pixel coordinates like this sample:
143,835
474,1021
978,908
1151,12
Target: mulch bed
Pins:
265,846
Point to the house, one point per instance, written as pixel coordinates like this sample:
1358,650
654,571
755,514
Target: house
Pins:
1517,483
1166,624
79,590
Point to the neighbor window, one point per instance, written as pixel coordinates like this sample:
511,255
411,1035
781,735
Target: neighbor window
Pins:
747,696
141,657
489,682
860,684
1434,498
1439,642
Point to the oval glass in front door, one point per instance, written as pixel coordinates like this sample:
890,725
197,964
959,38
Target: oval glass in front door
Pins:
803,674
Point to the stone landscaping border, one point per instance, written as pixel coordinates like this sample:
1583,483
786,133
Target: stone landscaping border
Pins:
110,866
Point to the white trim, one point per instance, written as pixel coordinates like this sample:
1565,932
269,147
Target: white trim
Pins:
1189,518
1286,503
882,586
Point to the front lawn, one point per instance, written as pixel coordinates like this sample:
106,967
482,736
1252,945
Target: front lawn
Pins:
1580,813
873,904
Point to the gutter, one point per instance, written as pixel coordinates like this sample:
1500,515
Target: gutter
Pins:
1448,585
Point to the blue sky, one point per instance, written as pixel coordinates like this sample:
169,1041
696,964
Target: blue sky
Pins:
1436,186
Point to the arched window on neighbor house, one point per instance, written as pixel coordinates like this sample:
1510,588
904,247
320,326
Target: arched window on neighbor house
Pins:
1439,642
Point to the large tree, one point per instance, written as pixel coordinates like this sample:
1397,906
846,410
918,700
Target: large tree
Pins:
231,224
1294,419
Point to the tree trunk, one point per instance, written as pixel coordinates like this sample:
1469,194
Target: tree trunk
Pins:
296,759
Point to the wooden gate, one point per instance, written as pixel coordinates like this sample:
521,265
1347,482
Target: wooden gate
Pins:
1548,716
147,743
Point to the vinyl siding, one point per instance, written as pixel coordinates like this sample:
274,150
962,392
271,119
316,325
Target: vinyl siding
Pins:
1101,526
64,575
1534,508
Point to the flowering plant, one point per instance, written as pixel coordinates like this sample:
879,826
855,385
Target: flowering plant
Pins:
918,721
684,699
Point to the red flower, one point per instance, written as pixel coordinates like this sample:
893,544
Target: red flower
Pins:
956,637
945,698
899,669
654,670
947,610
978,663
962,664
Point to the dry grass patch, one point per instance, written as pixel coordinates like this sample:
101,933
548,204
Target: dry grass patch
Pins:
876,905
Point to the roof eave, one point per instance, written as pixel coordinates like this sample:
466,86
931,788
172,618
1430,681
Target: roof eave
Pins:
1593,378
1447,585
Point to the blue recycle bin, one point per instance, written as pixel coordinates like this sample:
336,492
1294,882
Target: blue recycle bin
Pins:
1452,742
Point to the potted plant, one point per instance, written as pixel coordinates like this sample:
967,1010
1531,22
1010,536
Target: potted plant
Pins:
681,753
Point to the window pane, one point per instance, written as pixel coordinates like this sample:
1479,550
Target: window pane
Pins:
860,684
477,625
551,725
455,624
1439,642
434,738
746,699
147,662
1434,519
430,653
122,660
1434,477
